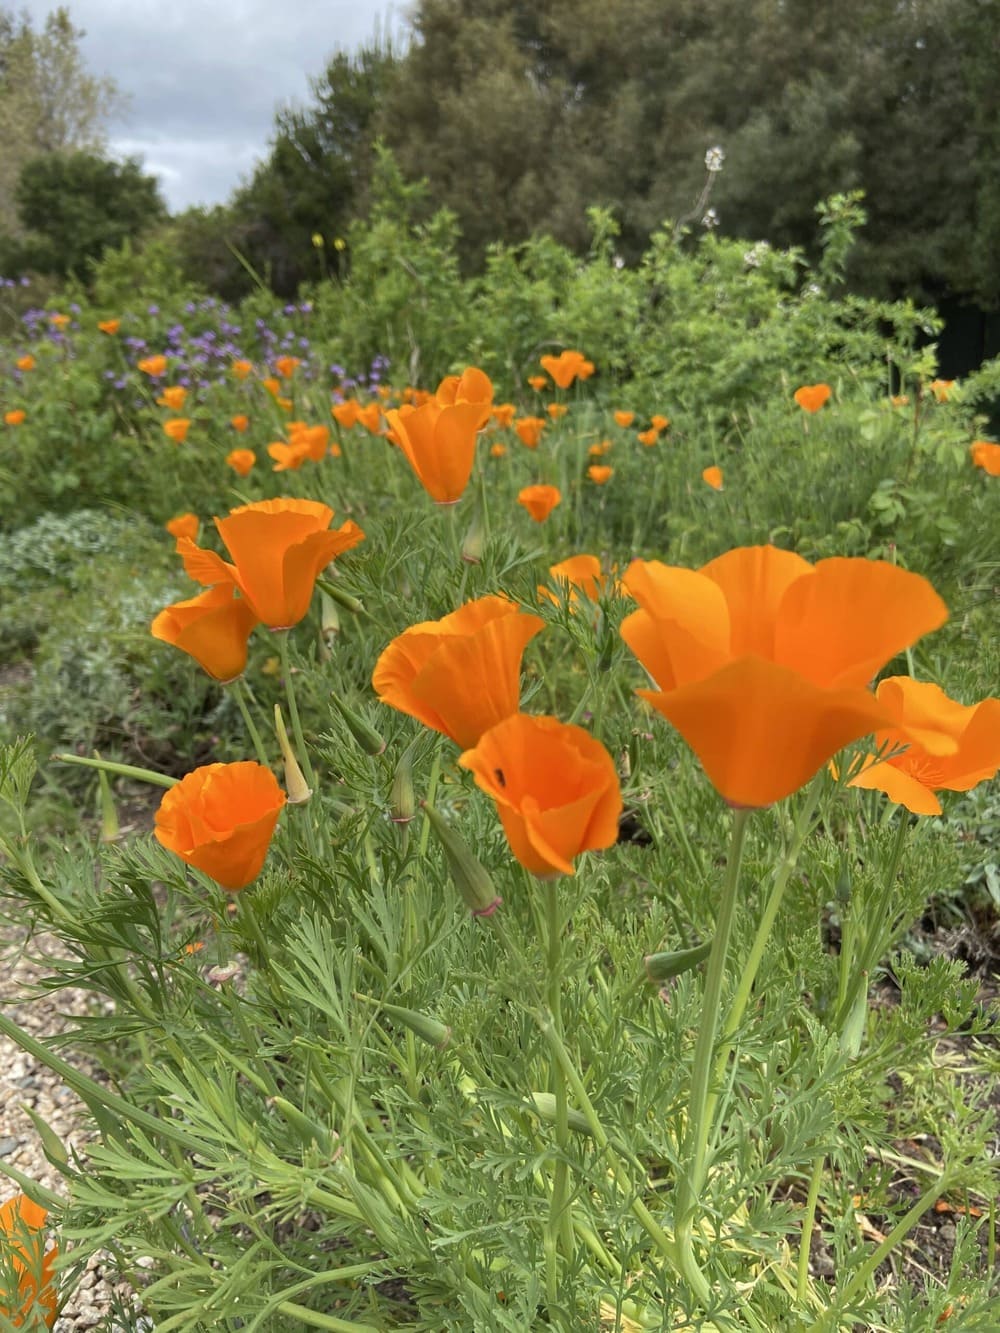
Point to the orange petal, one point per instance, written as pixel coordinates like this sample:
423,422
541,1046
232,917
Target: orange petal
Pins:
754,580
899,786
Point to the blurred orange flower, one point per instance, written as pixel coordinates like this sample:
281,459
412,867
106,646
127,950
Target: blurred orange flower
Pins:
286,366
555,788
461,674
173,397
600,473
183,525
712,476
648,437
811,397
529,430
498,450
949,746
762,660
109,326
439,443
22,1250
539,501
624,419
659,423
580,573
213,628
370,417
346,413
242,369
272,385
538,382
240,422
504,413
600,449
15,417
986,454
557,410
59,322
941,389
177,428
566,367
25,363
220,819
314,439
153,366
900,400
287,457
278,548
241,460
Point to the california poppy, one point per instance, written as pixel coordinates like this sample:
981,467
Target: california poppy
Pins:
109,326
346,413
557,410
16,417
580,573
648,437
659,422
624,419
288,457
941,389
25,363
472,386
241,460
439,443
213,628
538,382
811,397
949,746
600,473
461,674
22,1245
220,819
173,397
600,449
278,549
272,385
555,787
529,430
241,369
59,322
566,367
177,428
712,476
370,416
183,525
498,450
239,422
986,454
286,366
504,413
153,366
314,439
762,660
539,501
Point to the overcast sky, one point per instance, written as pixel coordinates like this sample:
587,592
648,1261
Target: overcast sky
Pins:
204,81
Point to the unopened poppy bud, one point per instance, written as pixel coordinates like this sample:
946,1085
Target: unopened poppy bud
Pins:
344,599
471,878
329,616
307,1129
473,542
296,787
363,732
428,1029
663,966
544,1103
853,1031
402,801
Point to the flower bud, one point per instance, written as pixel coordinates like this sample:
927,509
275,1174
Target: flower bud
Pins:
297,788
363,732
471,878
474,541
663,966
402,801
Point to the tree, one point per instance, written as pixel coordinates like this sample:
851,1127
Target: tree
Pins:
49,103
74,206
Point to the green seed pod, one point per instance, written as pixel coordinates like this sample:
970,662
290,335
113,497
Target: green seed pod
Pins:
305,1128
471,878
428,1029
296,787
663,966
402,800
363,732
544,1103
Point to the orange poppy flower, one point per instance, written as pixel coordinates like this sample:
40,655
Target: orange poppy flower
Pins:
557,410
461,674
288,457
762,660
648,437
183,525
538,382
285,404
498,450
472,386
580,573
173,397
370,417
16,417
712,476
240,422
272,385
241,460
600,473
59,321
278,549
600,449
220,819
242,369
26,362
384,392
986,454
950,746
153,366
504,414
900,400
941,389
109,326
286,366
346,414
22,1245
659,422
811,397
566,367
539,501
529,430
314,439
177,428
213,628
624,419
555,787
439,443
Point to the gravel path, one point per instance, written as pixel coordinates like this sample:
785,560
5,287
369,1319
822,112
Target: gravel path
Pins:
24,1082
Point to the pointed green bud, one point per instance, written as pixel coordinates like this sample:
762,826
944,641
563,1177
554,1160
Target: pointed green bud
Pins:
471,878
853,1031
663,966
428,1029
329,616
296,787
52,1144
474,541
307,1129
544,1103
402,800
110,827
363,732
342,598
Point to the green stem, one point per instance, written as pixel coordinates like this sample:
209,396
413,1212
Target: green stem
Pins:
560,1223
249,917
122,770
805,1240
293,710
248,722
313,1319
691,1181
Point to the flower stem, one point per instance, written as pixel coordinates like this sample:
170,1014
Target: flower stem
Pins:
560,1223
692,1178
293,710
805,1240
122,770
248,722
